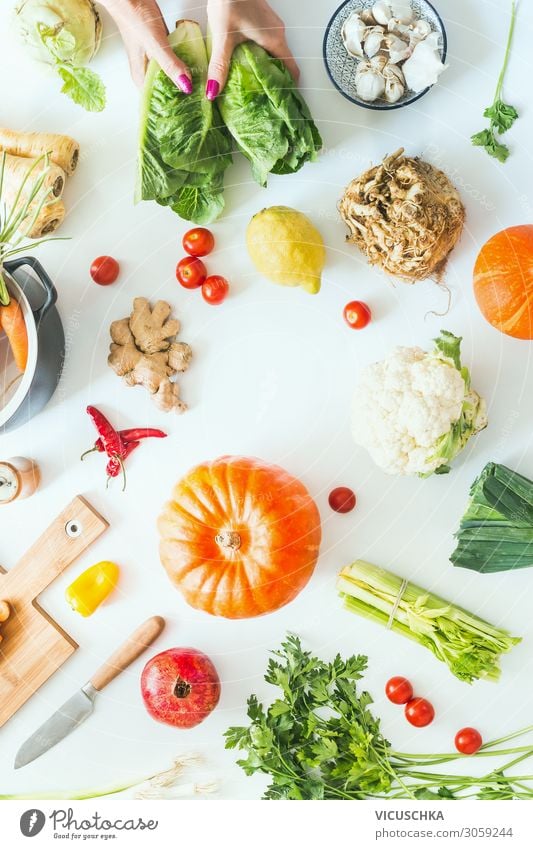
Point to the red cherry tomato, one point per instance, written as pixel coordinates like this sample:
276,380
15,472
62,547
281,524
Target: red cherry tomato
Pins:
191,272
399,690
357,315
198,242
419,712
104,270
215,289
342,499
468,741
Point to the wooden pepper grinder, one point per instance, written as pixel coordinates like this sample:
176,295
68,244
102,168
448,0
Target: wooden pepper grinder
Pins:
19,478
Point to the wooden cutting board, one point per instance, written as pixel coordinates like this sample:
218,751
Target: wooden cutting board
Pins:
33,645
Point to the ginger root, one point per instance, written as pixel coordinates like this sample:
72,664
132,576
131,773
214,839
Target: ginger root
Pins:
143,352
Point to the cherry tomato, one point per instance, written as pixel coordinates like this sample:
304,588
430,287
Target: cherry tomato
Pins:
399,690
357,315
342,499
215,289
468,741
104,270
191,272
198,242
419,712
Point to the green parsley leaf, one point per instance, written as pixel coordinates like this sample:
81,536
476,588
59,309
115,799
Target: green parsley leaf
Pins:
488,140
502,115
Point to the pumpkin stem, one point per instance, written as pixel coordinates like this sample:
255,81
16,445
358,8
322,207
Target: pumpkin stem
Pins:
228,539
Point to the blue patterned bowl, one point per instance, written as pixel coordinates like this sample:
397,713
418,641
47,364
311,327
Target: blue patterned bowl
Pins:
341,67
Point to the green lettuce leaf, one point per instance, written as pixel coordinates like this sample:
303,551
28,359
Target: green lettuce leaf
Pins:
266,115
184,147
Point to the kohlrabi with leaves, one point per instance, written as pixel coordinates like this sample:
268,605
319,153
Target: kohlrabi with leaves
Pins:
66,34
416,410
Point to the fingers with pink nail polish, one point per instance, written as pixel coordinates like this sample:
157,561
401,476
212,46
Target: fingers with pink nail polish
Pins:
185,84
212,89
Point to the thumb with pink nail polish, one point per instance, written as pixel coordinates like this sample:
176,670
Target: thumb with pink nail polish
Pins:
212,89
218,65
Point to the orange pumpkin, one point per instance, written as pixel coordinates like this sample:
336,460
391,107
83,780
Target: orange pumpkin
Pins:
240,537
503,281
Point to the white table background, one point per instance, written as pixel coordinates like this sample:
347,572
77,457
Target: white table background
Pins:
272,376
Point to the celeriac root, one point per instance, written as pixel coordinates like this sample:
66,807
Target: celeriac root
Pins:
405,215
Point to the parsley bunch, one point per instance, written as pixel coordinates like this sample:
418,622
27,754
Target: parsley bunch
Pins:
319,740
501,115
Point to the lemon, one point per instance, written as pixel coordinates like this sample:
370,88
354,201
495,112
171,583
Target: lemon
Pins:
286,247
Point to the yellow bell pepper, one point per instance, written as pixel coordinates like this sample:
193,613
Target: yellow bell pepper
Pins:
92,587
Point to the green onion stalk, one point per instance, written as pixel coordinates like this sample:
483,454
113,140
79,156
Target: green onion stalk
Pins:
469,646
154,786
17,219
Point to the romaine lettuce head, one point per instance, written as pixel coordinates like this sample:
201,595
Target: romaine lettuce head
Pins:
184,147
266,115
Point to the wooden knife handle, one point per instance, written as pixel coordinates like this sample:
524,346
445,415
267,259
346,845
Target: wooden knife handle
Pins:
129,651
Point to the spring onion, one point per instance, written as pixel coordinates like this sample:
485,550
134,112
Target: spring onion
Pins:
469,646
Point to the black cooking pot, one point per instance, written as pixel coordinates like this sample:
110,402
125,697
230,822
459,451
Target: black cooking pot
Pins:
25,396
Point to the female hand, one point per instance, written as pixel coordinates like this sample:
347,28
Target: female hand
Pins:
144,33
234,21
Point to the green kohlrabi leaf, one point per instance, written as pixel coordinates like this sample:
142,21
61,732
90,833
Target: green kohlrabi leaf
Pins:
83,86
266,115
184,147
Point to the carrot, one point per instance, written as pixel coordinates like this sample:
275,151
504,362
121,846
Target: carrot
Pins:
14,326
63,150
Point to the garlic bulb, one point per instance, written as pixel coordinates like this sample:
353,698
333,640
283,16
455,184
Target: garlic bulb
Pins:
418,31
424,66
397,47
394,83
402,11
352,33
378,62
373,40
368,18
369,82
382,12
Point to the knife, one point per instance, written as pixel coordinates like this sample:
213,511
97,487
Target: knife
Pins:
81,705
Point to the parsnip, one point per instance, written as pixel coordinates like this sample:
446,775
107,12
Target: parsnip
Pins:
48,220
16,169
62,150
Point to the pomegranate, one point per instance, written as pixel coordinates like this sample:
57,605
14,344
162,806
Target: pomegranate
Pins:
180,687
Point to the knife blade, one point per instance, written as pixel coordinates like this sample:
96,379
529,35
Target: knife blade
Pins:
81,705
59,725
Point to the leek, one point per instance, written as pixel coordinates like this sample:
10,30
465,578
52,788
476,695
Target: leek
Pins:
496,531
469,646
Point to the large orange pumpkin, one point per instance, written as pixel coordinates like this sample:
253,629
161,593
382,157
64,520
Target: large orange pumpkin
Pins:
503,281
240,537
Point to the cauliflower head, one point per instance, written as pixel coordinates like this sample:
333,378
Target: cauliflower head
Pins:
415,411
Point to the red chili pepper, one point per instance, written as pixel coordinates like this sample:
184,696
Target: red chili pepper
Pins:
111,440
116,464
134,434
